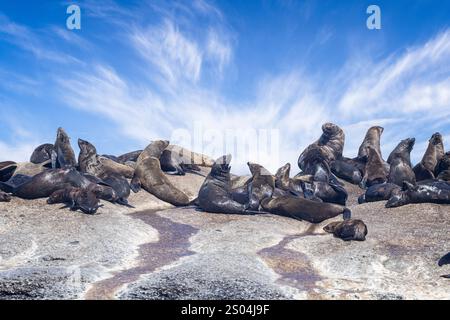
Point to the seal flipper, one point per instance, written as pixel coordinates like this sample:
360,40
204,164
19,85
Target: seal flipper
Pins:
14,183
135,185
444,260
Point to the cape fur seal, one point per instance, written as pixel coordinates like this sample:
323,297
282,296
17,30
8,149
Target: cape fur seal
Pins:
90,163
435,151
425,192
65,157
330,144
43,153
283,182
400,168
175,162
443,168
348,169
76,198
347,230
304,209
261,185
375,171
215,192
149,176
7,169
379,192
371,139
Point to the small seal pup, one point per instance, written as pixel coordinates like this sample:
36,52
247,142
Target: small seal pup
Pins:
65,157
76,198
303,209
215,193
261,185
400,168
375,171
426,168
43,153
347,230
371,139
4,197
149,176
379,192
425,192
330,144
89,162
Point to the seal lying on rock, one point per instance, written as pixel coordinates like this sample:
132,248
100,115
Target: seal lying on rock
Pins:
330,145
90,163
173,161
149,176
443,168
76,198
425,192
65,157
215,193
400,169
379,192
347,230
348,169
435,151
43,153
304,209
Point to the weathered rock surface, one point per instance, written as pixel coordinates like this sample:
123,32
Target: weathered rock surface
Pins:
156,251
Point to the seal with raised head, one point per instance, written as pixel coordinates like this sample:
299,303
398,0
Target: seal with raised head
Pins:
371,139
347,230
330,144
426,168
43,153
77,198
400,168
304,209
215,193
425,192
283,182
174,161
65,157
90,163
375,171
150,177
261,185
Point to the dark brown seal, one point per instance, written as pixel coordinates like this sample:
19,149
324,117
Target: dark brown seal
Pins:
261,185
65,157
284,182
375,171
379,192
435,152
304,209
425,192
371,139
77,198
150,177
400,168
4,197
330,145
43,153
347,230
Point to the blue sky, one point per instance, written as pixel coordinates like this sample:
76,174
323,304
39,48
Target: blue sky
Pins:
143,70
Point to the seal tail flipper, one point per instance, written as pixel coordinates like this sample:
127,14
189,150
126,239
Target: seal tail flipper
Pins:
444,260
347,214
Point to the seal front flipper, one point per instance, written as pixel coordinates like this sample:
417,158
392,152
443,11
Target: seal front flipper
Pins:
444,260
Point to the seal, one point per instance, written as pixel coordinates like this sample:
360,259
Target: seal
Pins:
283,182
426,168
176,163
7,169
348,169
45,183
303,209
443,168
4,197
130,156
425,192
149,176
43,153
372,139
400,168
400,148
215,193
379,192
347,230
76,198
90,163
375,171
261,185
65,157
330,145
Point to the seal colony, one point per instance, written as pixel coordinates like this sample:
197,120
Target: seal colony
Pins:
315,194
